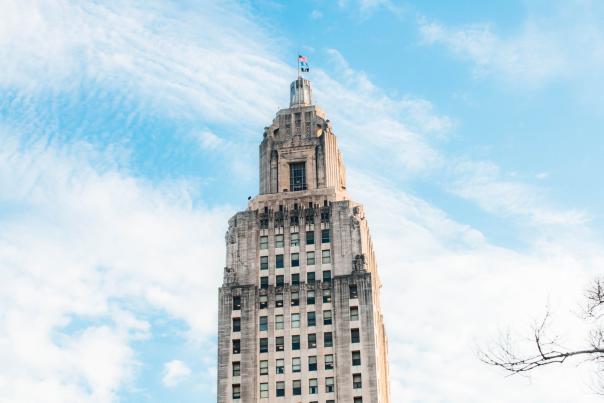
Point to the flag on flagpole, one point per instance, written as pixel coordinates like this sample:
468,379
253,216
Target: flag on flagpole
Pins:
303,63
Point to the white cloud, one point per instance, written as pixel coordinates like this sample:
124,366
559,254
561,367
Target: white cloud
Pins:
175,372
316,15
180,61
446,290
562,43
483,183
89,240
88,243
399,128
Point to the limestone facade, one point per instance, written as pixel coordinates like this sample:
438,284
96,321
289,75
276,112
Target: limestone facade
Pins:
299,309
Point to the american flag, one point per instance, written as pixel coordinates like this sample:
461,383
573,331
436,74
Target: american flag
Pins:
302,61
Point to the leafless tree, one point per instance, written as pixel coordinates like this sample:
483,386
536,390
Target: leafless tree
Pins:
547,350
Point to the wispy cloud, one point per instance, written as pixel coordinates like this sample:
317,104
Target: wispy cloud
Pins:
563,43
103,247
175,372
484,183
397,127
181,61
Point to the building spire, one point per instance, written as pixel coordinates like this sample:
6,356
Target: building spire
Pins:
300,93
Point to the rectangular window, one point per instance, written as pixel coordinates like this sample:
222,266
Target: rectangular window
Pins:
263,262
263,324
358,399
296,364
297,388
236,368
356,381
326,256
280,388
329,361
326,295
312,340
356,358
327,317
327,276
236,346
263,301
310,277
279,241
280,280
310,258
264,242
312,363
297,176
355,336
279,300
263,367
311,319
296,342
296,278
310,237
354,313
264,282
280,366
325,238
327,339
263,390
294,239
352,289
295,259
264,345
279,261
236,392
295,320
313,386
236,303
236,324
278,322
279,343
310,297
329,385
295,298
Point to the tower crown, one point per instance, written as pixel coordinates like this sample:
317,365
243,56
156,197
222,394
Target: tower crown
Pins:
300,93
299,151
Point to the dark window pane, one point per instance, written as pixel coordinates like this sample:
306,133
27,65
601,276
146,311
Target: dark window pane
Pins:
310,237
327,339
297,176
355,336
264,345
325,238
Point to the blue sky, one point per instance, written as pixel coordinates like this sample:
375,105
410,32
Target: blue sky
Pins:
128,137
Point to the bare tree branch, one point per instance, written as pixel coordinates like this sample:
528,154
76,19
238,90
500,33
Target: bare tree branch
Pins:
547,351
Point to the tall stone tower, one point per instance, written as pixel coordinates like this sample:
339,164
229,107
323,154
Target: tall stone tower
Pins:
299,309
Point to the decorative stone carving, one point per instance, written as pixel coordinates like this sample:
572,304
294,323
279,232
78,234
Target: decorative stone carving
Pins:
230,276
358,263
